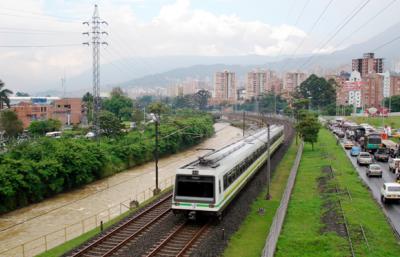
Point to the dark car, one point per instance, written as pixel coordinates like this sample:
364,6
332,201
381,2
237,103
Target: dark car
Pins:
382,154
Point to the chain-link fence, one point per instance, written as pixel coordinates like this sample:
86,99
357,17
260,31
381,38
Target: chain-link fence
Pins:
58,237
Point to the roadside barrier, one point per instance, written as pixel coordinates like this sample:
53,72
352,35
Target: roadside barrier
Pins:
277,223
46,242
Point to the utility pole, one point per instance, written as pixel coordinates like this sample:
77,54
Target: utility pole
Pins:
244,121
269,163
96,33
156,124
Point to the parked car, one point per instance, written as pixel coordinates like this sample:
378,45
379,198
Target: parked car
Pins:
382,154
393,164
390,191
348,144
355,151
374,170
364,158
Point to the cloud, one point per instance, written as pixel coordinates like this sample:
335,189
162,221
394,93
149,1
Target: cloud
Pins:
177,29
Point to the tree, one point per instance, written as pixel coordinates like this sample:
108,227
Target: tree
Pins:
117,91
308,127
119,104
268,101
41,127
87,99
185,101
110,125
321,92
21,94
158,108
10,123
201,99
394,103
137,115
4,93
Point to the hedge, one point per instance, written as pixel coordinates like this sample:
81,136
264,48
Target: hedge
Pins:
36,170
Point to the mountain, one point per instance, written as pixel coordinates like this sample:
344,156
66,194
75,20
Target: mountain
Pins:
167,70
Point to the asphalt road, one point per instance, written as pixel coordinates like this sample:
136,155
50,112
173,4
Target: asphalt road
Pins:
392,209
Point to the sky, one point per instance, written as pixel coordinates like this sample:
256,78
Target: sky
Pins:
150,28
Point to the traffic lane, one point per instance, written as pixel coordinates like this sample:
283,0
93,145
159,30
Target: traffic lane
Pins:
391,210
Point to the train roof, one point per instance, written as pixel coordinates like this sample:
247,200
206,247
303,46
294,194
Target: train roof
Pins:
230,152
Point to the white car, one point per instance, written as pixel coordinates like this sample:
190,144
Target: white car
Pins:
393,164
364,158
390,191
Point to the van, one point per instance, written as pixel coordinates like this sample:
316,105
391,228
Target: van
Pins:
54,134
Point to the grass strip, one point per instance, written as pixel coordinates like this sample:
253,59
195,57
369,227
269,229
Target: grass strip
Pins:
73,243
249,240
393,121
302,231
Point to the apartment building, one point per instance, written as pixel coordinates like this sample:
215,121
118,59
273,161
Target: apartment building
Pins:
69,111
368,64
291,81
225,87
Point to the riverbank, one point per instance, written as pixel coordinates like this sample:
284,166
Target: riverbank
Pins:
23,225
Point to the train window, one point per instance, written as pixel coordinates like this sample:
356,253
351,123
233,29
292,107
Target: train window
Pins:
199,189
219,185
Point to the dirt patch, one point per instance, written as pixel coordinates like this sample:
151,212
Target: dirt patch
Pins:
331,217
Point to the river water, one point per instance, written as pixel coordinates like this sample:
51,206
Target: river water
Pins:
61,211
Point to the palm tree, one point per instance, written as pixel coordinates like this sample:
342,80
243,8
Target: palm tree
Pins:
4,93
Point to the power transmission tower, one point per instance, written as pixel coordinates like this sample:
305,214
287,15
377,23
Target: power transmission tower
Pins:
96,42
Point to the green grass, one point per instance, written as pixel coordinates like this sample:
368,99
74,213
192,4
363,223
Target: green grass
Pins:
393,122
71,244
249,240
301,234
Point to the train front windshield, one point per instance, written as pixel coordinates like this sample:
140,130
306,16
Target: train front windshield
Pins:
194,188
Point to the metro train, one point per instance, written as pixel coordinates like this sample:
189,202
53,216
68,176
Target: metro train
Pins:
208,184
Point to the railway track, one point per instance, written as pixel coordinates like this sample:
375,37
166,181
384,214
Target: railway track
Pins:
180,242
111,241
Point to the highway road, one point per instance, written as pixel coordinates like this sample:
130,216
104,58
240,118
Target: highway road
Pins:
392,209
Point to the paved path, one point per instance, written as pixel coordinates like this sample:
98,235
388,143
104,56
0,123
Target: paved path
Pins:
39,219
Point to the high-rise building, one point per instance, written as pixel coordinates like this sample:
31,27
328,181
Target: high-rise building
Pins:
368,64
225,87
291,81
260,82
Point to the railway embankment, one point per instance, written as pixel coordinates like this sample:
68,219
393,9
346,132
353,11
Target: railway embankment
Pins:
332,213
249,240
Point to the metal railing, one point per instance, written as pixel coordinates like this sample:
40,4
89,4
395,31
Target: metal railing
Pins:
48,241
277,223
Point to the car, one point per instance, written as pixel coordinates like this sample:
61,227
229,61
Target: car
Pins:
364,158
390,191
382,154
348,144
355,151
374,170
394,163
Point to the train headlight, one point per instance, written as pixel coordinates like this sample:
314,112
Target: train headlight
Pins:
211,206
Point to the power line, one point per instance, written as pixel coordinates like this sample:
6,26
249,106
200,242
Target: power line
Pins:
296,22
24,30
39,46
365,23
311,29
337,31
37,14
385,44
